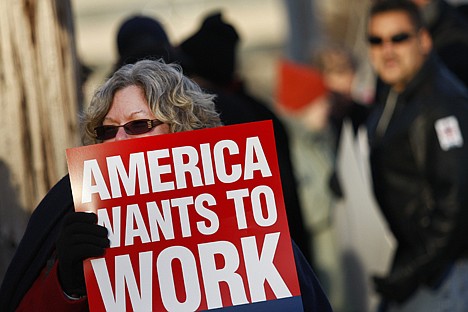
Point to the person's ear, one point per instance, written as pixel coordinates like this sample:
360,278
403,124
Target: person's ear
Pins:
425,40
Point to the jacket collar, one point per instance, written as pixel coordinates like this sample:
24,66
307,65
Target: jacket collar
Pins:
421,78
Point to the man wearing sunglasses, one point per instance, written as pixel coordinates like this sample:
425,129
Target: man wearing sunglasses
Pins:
418,133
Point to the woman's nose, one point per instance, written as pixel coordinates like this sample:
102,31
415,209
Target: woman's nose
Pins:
121,134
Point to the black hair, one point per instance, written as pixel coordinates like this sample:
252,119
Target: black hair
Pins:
410,8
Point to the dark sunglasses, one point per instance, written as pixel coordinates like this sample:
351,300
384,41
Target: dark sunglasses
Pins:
133,127
398,38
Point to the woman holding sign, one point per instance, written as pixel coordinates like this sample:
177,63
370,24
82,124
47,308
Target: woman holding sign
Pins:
148,98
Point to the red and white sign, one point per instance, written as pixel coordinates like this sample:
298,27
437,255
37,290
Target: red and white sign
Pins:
196,220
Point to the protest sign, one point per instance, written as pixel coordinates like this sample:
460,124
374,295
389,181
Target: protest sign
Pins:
196,222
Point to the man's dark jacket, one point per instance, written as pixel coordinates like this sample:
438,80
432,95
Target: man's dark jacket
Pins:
422,189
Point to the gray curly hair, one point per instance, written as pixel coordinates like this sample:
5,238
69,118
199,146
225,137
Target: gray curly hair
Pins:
173,98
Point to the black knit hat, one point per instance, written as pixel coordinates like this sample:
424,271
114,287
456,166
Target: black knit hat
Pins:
211,51
141,37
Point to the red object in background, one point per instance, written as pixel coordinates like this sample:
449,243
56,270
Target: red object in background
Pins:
298,85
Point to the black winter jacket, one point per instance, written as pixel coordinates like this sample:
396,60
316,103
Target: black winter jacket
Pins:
420,174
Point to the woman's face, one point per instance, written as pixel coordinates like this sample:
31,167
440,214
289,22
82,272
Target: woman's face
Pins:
130,104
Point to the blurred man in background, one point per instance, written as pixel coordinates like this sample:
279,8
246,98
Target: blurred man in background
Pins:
417,135
209,57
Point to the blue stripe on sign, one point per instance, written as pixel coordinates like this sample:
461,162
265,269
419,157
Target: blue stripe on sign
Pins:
280,305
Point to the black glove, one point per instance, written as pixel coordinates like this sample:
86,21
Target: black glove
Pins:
395,288
80,238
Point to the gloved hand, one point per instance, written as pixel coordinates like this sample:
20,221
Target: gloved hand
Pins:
395,288
80,238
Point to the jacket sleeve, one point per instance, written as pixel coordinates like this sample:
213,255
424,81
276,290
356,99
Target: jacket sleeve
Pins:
46,294
445,225
313,297
37,244
443,221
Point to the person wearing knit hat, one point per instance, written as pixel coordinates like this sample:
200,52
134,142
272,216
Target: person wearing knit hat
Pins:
211,52
209,57
142,37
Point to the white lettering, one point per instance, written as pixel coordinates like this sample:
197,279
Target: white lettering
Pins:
256,201
190,278
208,214
213,276
181,167
124,275
113,231
272,214
177,272
188,165
91,171
254,148
207,164
182,203
238,197
118,173
134,218
158,221
260,269
220,164
156,170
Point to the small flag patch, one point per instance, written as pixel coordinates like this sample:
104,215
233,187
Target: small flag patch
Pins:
448,133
